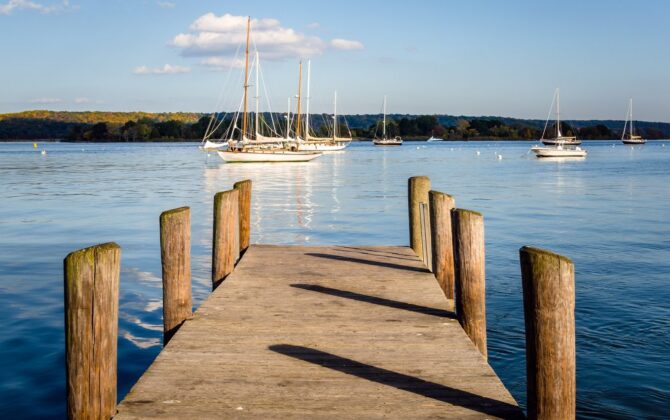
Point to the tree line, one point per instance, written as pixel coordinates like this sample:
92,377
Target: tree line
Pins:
139,127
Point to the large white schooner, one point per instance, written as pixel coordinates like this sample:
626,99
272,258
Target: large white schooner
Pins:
250,145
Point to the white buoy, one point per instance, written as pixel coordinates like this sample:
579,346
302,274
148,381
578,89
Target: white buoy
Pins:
499,157
44,152
478,153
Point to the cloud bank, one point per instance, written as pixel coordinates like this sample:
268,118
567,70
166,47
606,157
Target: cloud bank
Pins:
217,39
166,69
11,5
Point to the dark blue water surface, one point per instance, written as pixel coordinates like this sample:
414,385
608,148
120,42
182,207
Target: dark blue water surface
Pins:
610,213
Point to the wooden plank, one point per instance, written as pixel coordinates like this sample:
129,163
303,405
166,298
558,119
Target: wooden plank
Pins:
322,332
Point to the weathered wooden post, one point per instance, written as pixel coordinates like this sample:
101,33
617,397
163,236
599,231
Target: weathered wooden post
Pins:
469,275
245,212
440,206
175,231
549,308
417,192
226,241
91,330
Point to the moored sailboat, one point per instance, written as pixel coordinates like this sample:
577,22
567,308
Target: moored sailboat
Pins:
559,146
631,138
560,138
254,147
385,141
321,144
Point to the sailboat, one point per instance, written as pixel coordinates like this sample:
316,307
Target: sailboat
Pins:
322,144
559,146
560,138
384,141
254,147
631,138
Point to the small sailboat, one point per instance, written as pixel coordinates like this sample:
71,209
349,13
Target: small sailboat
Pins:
630,138
384,141
559,146
321,144
254,147
560,138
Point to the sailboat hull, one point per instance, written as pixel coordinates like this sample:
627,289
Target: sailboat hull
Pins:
548,152
322,147
387,142
267,156
634,141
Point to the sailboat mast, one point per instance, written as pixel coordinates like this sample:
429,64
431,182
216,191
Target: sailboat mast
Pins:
288,119
384,119
558,113
246,80
258,96
631,118
297,126
335,117
309,66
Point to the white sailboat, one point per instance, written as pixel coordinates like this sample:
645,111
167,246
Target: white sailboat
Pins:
384,141
256,147
321,144
560,138
559,146
630,138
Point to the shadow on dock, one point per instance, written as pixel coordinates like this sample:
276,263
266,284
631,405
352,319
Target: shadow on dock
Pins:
376,300
369,262
401,381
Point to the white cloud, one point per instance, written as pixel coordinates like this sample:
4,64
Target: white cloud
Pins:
166,69
217,36
82,100
222,63
46,101
11,5
314,25
166,4
346,44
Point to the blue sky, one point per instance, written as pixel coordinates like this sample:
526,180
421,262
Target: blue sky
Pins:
469,57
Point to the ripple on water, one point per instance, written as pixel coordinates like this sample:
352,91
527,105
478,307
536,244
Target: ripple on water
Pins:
608,213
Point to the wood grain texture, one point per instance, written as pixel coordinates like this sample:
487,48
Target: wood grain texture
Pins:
175,238
417,192
91,278
440,206
470,275
244,188
322,332
226,241
549,308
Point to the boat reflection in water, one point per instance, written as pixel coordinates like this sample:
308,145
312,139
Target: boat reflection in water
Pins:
282,201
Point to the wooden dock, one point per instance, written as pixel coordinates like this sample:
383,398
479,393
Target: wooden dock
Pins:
322,332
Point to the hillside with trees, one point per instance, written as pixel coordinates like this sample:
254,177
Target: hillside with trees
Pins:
143,126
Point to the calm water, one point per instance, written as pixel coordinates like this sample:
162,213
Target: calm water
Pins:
609,213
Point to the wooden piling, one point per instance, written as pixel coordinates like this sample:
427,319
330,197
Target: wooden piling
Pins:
175,233
417,192
440,206
244,188
469,275
549,308
91,278
226,241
